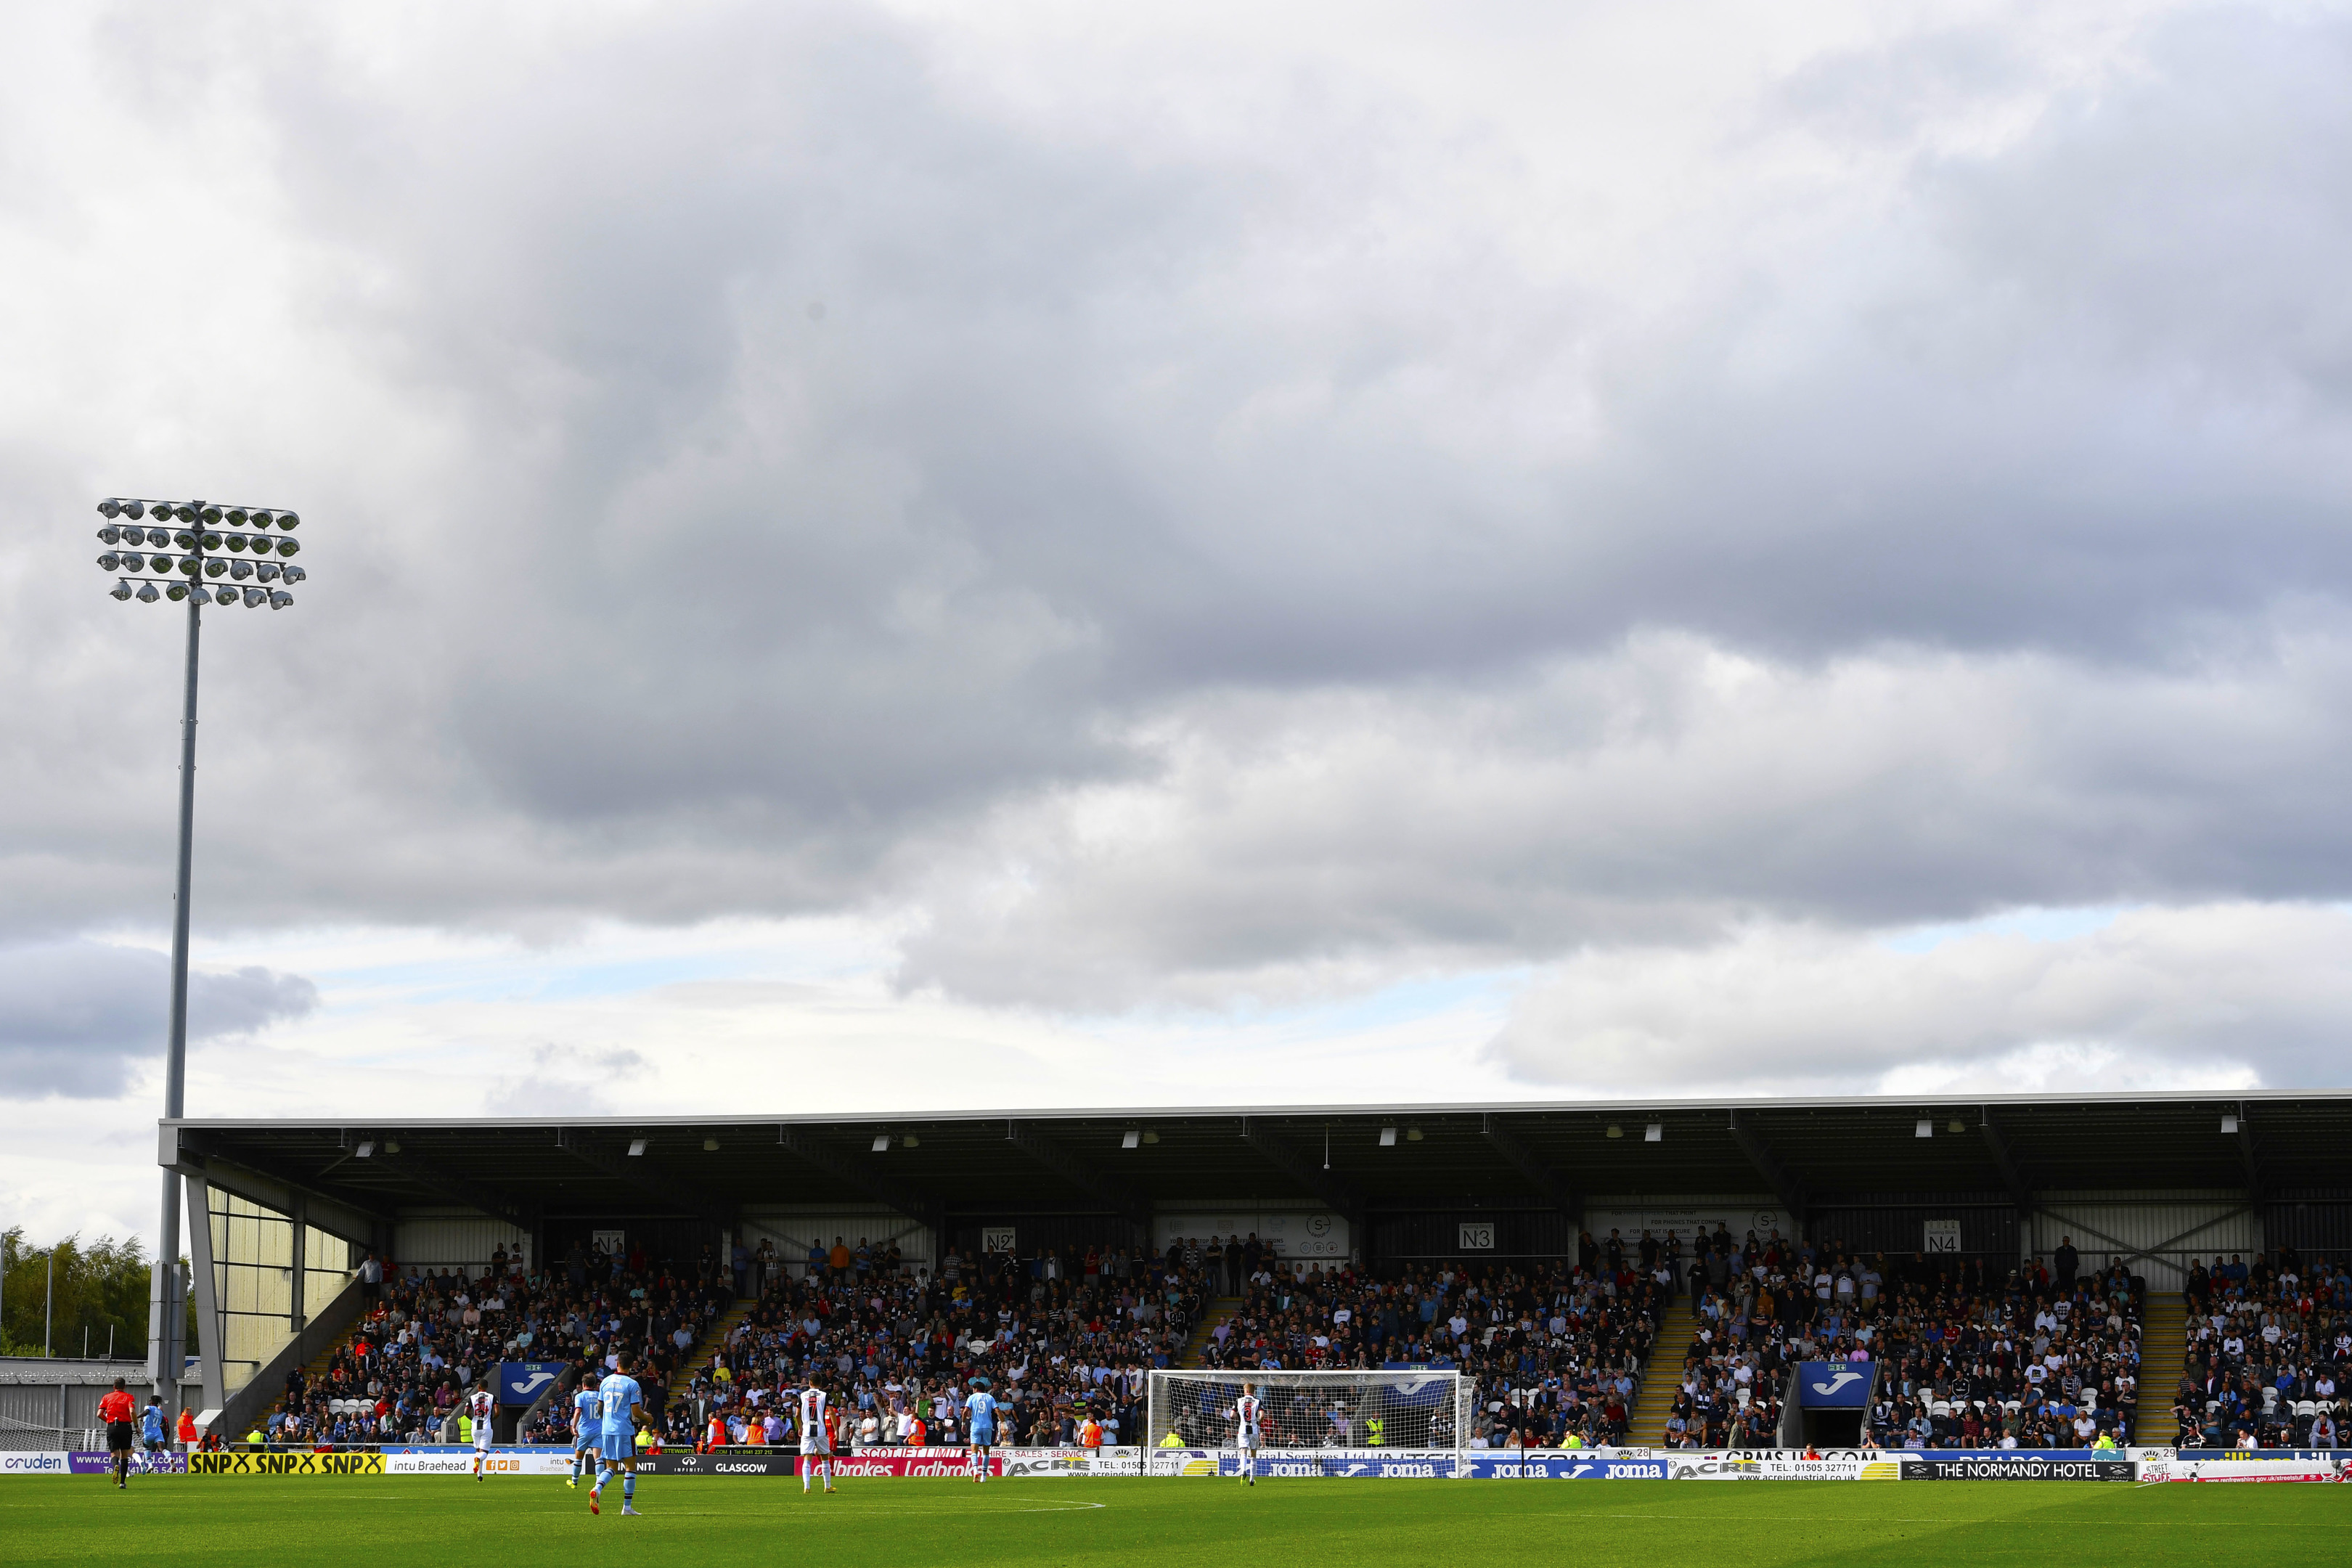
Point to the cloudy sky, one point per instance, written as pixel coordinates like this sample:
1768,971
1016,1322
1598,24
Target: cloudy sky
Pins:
907,556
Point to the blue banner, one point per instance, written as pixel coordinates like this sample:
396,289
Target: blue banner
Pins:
1506,1466
1833,1385
523,1382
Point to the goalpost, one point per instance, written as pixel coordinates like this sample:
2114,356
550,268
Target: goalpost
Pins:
1420,1409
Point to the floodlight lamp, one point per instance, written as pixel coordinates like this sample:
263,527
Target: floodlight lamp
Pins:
1955,1125
184,540
266,571
1615,1131
711,1146
121,590
111,562
212,541
910,1141
281,599
255,597
391,1145
215,567
109,508
155,536
260,520
184,512
211,514
234,517
1926,1129
881,1142
1131,1140
1388,1137
288,521
240,570
292,574
1413,1134
110,535
1655,1133
286,547
365,1150
176,592
2228,1124
190,565
1150,1136
224,595
135,508
235,541
147,595
131,561
636,1147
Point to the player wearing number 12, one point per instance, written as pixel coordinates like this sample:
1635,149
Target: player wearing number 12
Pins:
587,1432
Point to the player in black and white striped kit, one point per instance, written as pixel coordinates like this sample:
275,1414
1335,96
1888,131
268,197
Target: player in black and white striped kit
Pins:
1248,1430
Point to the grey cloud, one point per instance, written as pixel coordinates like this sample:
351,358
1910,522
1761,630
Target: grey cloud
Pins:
78,1019
1257,497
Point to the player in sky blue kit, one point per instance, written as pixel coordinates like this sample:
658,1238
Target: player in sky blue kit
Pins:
623,1405
587,1430
979,1406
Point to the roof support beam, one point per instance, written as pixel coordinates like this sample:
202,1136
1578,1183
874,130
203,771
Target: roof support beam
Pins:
913,1202
1332,1189
1547,1182
2249,1151
2012,1175
427,1172
333,1211
1785,1187
649,1178
1033,1141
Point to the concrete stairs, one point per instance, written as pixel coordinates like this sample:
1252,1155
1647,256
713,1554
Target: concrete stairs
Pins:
2163,1352
1661,1379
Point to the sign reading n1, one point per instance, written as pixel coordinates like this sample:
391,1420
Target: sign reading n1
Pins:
1943,1236
1477,1238
998,1239
612,1241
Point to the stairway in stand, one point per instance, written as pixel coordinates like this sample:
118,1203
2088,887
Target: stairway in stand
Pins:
1196,1349
2163,1352
714,1338
1662,1379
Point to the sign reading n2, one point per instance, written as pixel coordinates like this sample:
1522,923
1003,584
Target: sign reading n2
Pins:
999,1240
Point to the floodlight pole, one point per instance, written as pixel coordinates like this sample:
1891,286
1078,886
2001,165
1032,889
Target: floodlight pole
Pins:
166,1317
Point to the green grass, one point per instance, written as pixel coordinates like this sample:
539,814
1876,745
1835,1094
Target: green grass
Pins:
345,1520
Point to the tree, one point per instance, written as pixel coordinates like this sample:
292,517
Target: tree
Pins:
101,1287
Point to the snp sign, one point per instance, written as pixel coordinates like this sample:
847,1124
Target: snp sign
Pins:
1943,1236
1478,1237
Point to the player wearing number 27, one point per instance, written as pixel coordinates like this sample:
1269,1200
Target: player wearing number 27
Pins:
623,1405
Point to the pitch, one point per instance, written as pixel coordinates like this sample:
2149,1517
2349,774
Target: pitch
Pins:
715,1523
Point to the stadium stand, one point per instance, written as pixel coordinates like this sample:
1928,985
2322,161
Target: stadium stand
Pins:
1970,1357
2266,1342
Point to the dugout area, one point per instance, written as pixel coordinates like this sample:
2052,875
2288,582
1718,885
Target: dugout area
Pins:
280,1213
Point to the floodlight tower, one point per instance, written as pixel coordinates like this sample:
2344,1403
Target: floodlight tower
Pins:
176,551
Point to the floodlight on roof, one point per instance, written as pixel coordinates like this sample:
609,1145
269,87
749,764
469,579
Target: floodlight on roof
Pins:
1927,1128
636,1146
881,1142
1388,1137
1655,1133
1131,1140
365,1150
2228,1124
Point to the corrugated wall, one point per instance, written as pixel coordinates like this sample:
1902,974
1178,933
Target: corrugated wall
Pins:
1989,1226
793,1230
1437,1234
2316,1224
455,1239
2177,1226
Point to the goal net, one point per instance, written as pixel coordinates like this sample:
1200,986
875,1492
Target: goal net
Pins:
1419,1409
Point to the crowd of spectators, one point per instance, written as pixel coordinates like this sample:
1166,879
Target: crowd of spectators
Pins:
1978,1357
2269,1343
1067,1337
1556,1350
428,1333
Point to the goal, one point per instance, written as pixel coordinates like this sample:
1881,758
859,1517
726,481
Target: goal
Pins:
1416,1408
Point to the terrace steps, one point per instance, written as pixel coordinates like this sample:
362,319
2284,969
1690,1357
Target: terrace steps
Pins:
2163,1354
1662,1379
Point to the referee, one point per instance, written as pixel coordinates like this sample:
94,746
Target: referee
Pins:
116,1410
